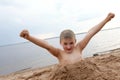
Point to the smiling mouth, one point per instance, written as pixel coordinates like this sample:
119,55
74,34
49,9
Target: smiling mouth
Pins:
68,49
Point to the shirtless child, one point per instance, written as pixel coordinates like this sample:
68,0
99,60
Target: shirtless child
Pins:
72,51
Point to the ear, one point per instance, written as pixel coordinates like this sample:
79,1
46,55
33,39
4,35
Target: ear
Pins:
75,40
60,42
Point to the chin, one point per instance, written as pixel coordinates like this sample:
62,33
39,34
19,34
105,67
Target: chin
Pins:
69,51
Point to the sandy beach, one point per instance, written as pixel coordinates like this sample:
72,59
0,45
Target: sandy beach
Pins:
99,67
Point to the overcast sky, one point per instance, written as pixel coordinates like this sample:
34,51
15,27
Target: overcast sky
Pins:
50,17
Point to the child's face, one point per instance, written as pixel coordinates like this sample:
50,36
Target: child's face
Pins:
68,44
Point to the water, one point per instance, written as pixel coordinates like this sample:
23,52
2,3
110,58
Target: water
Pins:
27,55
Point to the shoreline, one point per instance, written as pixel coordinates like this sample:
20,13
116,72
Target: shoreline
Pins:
78,33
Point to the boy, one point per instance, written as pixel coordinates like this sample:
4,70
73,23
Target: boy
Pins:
71,52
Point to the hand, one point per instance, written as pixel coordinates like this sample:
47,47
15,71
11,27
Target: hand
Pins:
110,16
24,34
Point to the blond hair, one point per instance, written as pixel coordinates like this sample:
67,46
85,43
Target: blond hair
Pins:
67,34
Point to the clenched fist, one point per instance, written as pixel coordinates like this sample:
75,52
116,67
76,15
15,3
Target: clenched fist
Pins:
24,34
110,16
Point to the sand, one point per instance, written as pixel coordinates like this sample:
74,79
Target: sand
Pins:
100,67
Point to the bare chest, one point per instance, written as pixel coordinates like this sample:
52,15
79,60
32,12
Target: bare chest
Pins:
69,58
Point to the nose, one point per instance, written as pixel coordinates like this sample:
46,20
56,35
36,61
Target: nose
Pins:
68,46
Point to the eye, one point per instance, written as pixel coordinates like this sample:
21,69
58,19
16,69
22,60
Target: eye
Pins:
65,43
71,42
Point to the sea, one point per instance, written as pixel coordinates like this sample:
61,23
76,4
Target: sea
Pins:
26,55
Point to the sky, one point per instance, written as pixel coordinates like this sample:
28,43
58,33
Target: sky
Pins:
47,18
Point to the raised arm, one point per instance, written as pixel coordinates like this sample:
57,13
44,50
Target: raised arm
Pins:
42,43
82,44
